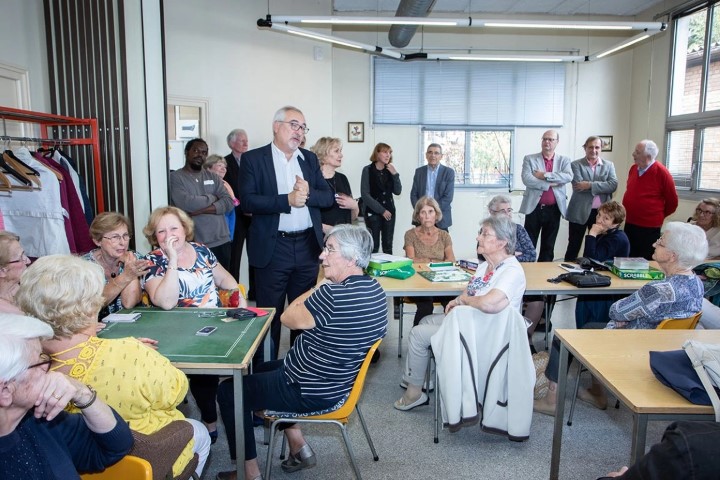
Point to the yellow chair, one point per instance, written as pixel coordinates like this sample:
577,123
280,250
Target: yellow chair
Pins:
688,323
337,417
128,467
680,323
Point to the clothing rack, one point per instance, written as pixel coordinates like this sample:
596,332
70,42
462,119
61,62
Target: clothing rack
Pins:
50,131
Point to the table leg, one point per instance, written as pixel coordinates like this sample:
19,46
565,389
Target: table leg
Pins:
546,304
559,413
400,305
267,346
239,422
639,436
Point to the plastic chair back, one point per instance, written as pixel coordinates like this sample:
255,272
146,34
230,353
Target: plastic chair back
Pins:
680,323
349,406
128,467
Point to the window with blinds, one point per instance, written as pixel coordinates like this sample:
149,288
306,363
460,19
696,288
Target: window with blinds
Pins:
465,93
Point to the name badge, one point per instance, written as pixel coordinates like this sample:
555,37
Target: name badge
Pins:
209,182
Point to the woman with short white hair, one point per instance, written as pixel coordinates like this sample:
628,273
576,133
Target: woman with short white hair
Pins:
38,440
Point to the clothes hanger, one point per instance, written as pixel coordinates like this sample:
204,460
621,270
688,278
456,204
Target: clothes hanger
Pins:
20,167
5,184
17,175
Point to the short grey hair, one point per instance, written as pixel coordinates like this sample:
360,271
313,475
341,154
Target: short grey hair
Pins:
234,133
281,114
14,345
505,230
355,243
498,199
651,148
686,241
436,145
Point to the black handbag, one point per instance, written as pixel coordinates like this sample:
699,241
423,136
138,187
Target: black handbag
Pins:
586,279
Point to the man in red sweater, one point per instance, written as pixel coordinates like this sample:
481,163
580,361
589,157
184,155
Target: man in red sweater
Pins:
649,198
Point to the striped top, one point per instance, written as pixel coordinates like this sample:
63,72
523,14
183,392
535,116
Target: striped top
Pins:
350,317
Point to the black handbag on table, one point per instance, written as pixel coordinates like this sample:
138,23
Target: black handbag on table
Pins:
586,279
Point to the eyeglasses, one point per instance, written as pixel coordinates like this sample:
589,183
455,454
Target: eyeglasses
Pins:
659,243
23,258
295,126
116,238
546,139
486,234
700,211
45,360
328,250
502,210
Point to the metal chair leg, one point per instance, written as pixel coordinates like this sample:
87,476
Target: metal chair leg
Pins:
271,445
367,433
581,369
437,405
343,429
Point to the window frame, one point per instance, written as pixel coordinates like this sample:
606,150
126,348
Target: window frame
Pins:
508,182
702,119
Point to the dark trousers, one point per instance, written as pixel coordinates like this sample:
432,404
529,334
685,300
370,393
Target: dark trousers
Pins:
204,390
242,227
425,306
641,240
376,224
576,235
265,389
544,222
222,252
292,271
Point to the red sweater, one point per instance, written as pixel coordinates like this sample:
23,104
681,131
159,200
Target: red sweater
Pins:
651,197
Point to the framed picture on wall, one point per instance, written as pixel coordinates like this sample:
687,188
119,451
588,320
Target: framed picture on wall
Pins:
356,131
606,143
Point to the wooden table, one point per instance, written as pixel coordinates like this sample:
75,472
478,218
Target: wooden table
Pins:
227,351
620,359
536,275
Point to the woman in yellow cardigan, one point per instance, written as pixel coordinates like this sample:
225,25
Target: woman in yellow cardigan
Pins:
139,383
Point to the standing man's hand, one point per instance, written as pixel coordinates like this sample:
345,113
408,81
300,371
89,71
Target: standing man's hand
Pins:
539,174
582,186
300,193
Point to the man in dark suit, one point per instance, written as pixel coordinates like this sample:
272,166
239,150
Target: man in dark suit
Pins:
237,140
436,181
282,187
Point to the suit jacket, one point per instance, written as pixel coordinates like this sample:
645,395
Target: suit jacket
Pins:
604,184
444,191
534,187
259,196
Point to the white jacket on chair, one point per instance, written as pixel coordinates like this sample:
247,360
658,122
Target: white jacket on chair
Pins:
497,347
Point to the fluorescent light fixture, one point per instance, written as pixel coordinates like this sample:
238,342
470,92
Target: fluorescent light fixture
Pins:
621,45
333,39
467,22
560,26
503,58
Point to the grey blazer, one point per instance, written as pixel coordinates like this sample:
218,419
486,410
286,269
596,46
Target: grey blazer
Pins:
444,191
604,184
534,187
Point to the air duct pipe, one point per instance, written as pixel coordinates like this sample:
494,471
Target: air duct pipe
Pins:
400,35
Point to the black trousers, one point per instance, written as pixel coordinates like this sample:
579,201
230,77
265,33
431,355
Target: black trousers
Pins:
576,234
242,227
293,270
544,222
377,224
641,240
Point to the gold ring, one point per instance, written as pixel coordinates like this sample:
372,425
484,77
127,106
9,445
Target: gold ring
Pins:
56,396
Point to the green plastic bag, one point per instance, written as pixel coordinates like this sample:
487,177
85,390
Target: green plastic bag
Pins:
401,273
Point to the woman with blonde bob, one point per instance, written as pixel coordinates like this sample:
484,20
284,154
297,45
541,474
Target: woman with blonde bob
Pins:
142,385
345,209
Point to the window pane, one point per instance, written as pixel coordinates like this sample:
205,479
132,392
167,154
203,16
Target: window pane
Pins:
679,159
710,160
453,147
490,158
712,98
479,157
687,69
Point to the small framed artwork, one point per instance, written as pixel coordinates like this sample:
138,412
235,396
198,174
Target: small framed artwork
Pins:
606,143
356,131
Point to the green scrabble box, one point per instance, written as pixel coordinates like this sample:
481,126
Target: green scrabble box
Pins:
383,261
650,274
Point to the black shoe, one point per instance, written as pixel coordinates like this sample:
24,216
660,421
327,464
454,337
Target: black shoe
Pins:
376,357
213,436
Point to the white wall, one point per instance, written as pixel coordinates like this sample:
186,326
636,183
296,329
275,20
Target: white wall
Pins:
22,35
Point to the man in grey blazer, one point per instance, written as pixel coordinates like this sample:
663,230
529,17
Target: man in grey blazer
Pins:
544,200
436,181
594,182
